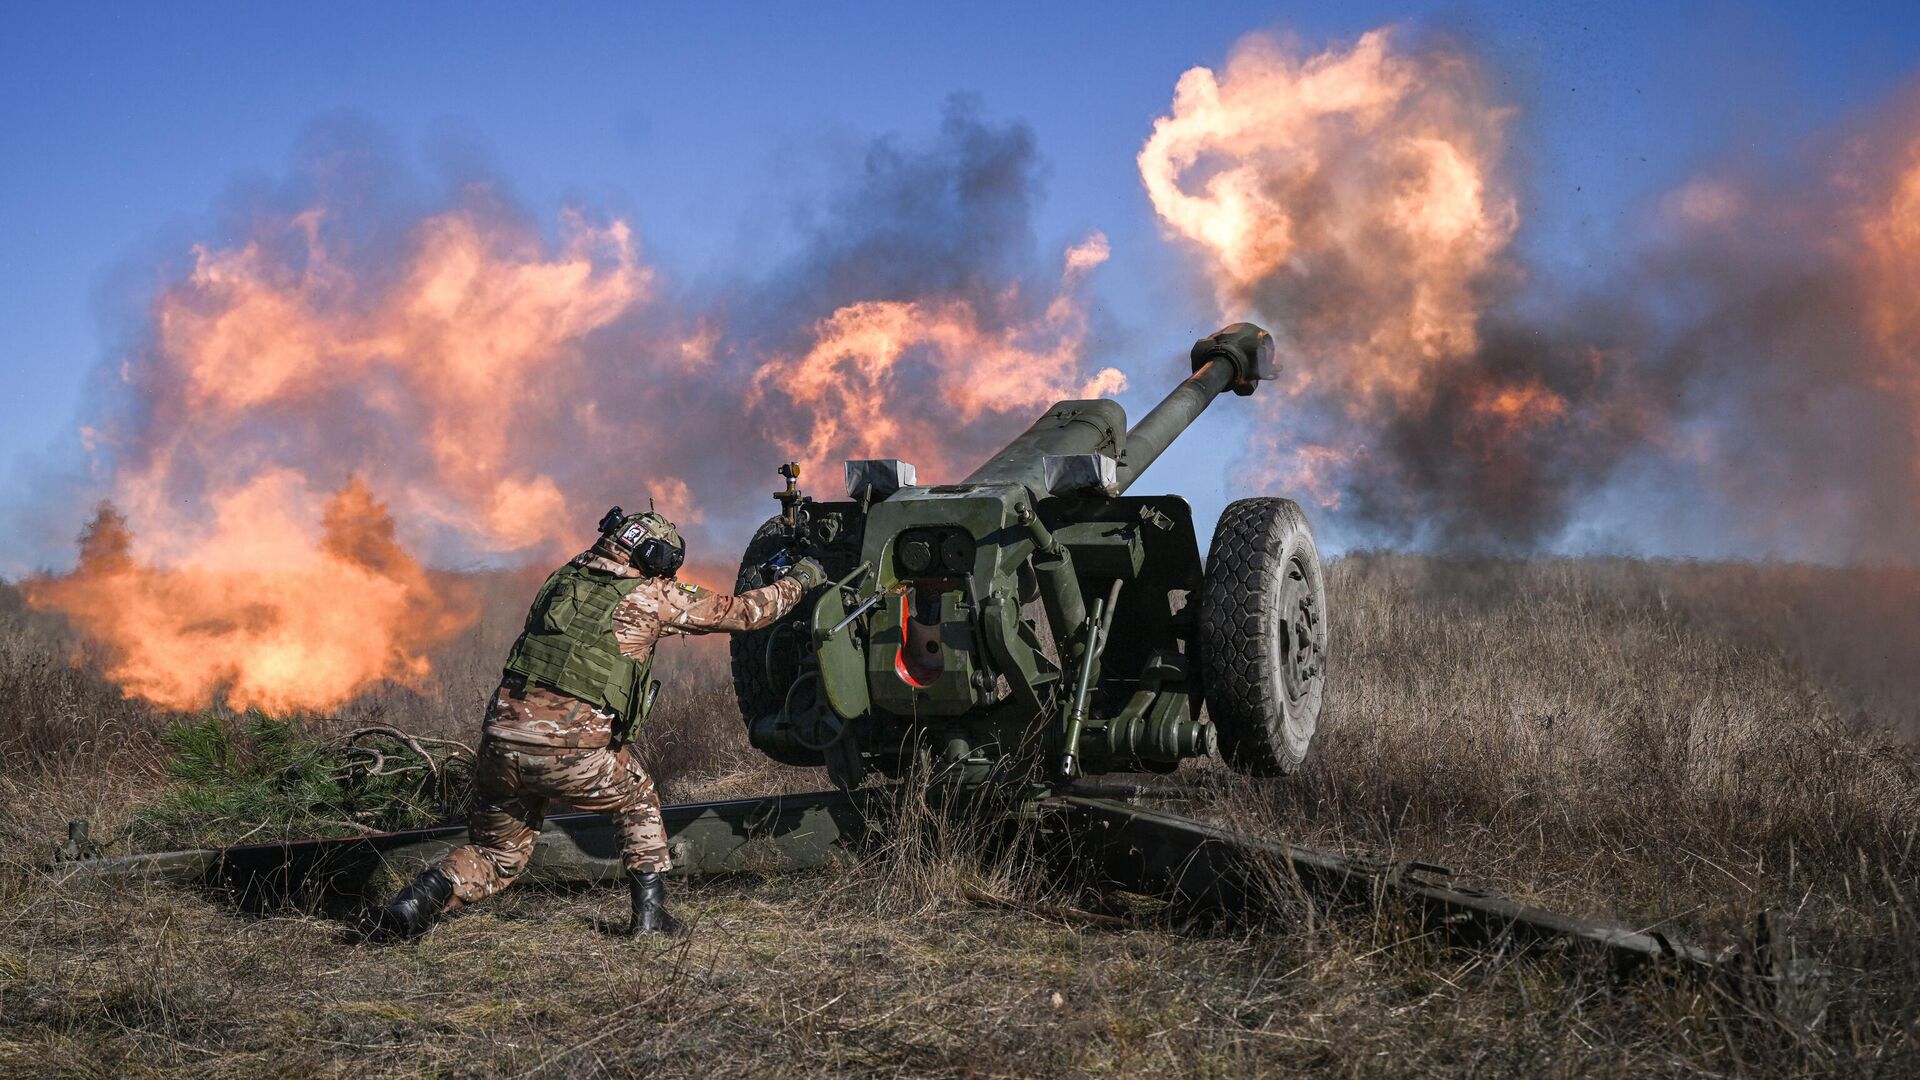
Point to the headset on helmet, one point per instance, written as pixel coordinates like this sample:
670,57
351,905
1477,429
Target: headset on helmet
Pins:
649,541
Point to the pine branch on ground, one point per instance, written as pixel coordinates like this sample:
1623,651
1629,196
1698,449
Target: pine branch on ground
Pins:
256,778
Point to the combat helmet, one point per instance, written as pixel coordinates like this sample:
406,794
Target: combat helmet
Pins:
647,540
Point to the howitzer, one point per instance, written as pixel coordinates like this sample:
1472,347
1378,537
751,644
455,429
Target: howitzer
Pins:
1033,621
1036,614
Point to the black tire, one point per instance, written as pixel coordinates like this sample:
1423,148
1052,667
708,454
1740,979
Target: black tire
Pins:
1263,635
759,688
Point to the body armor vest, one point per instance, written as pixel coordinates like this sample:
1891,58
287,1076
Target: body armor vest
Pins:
568,644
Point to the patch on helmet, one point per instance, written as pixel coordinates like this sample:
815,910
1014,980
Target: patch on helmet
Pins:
688,587
632,534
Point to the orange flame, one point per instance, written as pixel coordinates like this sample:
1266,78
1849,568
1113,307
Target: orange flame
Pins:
1357,184
306,416
1891,235
1506,412
851,380
1312,469
268,613
459,346
1891,232
1352,198
234,570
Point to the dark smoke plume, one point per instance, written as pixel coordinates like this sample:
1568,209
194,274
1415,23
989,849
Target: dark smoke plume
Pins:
427,365
1747,384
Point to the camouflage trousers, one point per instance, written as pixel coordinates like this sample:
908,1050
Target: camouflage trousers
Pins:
515,782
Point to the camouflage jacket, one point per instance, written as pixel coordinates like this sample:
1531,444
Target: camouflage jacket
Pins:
538,716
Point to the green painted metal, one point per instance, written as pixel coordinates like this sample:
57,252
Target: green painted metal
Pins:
1098,426
1190,862
769,834
842,659
975,657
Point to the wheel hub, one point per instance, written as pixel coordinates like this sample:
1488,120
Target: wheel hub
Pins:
1303,643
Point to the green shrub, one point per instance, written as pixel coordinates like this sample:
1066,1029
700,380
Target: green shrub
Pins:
254,778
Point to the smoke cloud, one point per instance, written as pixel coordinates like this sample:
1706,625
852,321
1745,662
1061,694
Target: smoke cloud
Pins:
1745,384
371,376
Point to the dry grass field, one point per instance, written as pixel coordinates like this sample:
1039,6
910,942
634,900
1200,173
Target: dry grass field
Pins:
1677,745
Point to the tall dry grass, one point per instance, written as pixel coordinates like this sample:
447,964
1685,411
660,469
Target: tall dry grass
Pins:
1672,744
1677,746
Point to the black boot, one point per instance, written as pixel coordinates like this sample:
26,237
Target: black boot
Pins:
650,914
414,908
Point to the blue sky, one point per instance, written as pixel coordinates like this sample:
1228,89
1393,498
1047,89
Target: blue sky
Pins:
121,125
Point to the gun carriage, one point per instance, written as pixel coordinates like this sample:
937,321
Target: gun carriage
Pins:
1029,625
1035,618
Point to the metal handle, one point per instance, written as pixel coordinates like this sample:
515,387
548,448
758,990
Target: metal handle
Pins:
865,606
1097,627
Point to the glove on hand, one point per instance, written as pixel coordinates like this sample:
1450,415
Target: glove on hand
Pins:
809,573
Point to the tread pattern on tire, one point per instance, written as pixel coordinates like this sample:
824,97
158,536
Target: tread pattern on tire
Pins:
1244,693
746,653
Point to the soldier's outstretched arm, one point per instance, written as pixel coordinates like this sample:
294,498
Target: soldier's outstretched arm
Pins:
690,609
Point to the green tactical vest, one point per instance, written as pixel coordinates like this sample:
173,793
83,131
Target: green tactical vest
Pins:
568,644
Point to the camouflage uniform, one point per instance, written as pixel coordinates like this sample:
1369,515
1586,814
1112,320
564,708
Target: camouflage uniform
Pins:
540,745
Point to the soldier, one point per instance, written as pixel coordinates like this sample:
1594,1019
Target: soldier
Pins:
575,686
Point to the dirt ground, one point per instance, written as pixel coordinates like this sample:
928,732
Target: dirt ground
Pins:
1674,745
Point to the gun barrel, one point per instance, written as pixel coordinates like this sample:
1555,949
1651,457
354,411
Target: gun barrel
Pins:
1237,357
1070,427
1156,431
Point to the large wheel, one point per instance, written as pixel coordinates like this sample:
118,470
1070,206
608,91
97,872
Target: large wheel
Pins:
766,662
1263,635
